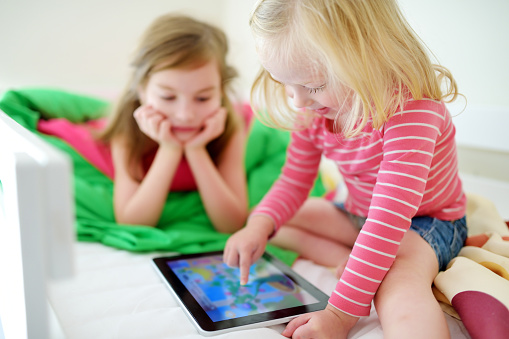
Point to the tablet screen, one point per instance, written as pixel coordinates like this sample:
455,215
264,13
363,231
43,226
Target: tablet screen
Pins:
212,297
216,287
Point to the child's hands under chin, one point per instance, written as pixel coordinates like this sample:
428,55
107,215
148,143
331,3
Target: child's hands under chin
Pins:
213,127
326,324
155,125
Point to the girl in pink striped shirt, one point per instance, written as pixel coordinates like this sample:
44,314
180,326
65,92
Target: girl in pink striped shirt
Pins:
365,94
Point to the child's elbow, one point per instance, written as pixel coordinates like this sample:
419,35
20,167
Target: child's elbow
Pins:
133,220
238,225
233,222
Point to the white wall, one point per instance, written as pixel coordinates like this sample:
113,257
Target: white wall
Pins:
85,46
471,38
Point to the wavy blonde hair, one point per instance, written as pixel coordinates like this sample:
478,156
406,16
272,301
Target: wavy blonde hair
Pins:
367,46
171,41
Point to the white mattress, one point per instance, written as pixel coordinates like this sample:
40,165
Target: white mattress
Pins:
118,294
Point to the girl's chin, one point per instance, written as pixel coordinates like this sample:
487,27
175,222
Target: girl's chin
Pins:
335,114
326,112
185,136
329,116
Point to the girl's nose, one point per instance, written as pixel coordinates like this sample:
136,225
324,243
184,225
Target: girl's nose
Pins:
299,95
184,112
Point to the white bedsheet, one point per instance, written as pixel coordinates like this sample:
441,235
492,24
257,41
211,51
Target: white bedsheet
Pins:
118,294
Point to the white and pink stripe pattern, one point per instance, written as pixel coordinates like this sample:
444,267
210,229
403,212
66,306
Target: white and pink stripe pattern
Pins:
406,168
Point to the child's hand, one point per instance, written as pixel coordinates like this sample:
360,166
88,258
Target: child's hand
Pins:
213,127
247,245
329,323
155,125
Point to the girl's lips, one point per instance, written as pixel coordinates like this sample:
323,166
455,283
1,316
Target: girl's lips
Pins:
184,129
322,111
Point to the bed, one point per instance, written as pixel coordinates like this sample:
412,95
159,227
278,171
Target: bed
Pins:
102,284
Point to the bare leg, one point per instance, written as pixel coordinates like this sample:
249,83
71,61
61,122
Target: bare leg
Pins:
319,232
405,303
310,246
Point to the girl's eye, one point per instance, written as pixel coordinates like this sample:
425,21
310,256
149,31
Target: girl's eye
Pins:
168,97
316,89
202,99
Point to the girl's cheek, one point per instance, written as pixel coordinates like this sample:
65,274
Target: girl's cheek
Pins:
289,92
157,104
211,107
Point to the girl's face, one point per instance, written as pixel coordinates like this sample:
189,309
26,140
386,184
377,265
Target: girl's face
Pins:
185,96
309,89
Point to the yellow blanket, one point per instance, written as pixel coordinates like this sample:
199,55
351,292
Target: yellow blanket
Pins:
475,285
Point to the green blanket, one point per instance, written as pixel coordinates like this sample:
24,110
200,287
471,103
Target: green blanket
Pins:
184,226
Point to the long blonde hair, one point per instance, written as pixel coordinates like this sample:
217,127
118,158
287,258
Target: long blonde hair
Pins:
171,41
367,46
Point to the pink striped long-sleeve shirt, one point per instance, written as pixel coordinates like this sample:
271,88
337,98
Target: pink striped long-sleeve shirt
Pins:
407,168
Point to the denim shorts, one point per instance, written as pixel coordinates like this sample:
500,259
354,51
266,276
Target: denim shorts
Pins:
445,237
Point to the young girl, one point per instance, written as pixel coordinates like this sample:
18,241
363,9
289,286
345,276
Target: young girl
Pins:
175,128
366,95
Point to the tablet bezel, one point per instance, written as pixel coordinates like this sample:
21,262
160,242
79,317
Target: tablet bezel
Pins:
208,327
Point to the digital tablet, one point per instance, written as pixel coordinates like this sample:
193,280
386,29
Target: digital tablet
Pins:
210,293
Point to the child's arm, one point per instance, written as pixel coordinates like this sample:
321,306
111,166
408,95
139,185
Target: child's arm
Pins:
279,205
141,203
222,187
410,147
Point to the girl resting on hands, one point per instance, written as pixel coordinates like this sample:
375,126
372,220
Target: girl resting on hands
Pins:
366,95
175,128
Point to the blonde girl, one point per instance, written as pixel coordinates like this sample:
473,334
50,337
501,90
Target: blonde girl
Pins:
364,94
175,127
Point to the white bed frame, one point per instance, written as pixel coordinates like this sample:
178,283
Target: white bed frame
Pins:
112,293
36,229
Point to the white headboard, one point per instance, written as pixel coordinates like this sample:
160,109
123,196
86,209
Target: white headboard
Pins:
36,228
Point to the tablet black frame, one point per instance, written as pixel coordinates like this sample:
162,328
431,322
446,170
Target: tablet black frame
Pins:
203,320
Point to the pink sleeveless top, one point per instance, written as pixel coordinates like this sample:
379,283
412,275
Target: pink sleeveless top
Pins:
80,137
